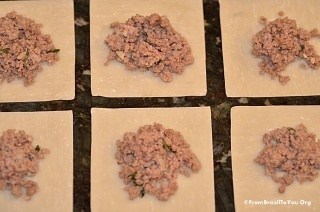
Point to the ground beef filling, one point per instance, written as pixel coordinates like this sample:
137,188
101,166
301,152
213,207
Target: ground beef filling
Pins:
149,43
281,42
19,161
289,154
23,48
151,160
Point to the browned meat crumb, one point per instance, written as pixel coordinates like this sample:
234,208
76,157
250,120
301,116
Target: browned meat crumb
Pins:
282,42
315,33
19,161
281,13
289,154
151,159
263,20
149,43
23,48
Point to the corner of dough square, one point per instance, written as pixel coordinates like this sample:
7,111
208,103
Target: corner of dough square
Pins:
114,80
53,131
57,81
239,23
195,193
251,185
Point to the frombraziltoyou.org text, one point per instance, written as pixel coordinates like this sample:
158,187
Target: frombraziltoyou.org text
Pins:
278,202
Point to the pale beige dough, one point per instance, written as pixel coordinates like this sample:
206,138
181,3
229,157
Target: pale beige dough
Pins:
239,23
114,80
248,125
54,82
54,131
195,193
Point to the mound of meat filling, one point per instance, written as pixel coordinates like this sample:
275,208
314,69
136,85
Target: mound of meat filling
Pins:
19,161
151,160
281,42
289,154
149,43
23,48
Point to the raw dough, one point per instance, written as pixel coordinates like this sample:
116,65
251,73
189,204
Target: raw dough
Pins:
248,125
239,23
54,82
195,193
54,131
114,80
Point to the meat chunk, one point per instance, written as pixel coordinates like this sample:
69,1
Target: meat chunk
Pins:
281,42
151,159
289,154
23,48
19,161
149,43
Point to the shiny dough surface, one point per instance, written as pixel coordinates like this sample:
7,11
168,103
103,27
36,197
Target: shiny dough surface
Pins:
54,131
114,80
57,81
239,23
195,193
248,125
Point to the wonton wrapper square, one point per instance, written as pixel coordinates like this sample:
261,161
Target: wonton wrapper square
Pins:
114,80
57,81
248,125
239,23
195,193
54,131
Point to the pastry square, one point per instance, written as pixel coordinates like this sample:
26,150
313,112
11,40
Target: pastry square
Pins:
195,193
114,80
239,23
252,188
57,81
54,131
